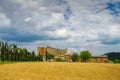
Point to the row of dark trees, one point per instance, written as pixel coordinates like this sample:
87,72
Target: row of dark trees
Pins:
13,53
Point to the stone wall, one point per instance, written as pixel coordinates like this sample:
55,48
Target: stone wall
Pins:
57,52
68,58
98,59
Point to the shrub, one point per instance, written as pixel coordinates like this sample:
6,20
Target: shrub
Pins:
49,56
59,59
116,61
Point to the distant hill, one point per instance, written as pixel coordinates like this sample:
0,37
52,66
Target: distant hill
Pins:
113,55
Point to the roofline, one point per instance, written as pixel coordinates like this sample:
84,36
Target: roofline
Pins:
55,48
99,56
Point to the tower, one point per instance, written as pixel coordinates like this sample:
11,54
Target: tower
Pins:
42,51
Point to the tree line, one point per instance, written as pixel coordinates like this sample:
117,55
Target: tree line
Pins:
13,53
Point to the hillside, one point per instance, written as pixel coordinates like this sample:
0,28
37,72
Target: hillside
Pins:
113,55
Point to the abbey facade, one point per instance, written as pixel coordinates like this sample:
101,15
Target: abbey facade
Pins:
63,53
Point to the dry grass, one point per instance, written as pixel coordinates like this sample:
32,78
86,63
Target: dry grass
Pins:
59,71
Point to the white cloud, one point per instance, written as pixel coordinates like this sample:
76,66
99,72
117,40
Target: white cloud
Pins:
4,21
61,33
27,4
27,19
57,16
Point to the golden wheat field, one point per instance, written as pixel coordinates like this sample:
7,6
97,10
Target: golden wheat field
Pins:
59,71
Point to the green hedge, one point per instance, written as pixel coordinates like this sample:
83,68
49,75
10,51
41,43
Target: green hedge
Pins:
59,60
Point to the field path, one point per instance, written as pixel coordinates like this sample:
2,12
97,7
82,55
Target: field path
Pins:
59,71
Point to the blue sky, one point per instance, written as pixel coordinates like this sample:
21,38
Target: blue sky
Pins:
74,24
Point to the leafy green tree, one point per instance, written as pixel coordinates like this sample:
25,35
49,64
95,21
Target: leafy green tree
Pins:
24,54
85,55
14,52
49,56
33,56
75,57
0,51
0,56
39,57
1,43
4,51
19,55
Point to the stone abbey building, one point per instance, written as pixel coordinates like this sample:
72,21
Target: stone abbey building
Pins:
63,53
57,52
